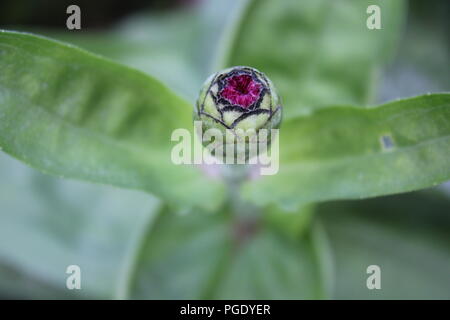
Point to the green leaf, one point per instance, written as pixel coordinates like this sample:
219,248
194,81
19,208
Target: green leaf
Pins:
413,72
406,236
179,256
47,224
176,46
317,52
350,153
270,266
211,256
290,223
71,113
18,285
165,46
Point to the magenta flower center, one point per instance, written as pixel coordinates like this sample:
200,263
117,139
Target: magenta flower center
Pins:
241,90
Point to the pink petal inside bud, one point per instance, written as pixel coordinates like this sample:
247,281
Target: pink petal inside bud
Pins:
241,90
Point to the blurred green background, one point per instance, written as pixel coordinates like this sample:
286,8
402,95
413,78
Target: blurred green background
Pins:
47,223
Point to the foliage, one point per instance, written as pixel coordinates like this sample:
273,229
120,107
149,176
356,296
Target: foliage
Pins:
75,114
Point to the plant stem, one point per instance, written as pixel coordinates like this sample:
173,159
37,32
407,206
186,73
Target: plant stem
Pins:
234,176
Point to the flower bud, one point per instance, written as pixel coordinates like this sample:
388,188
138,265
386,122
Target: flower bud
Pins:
242,106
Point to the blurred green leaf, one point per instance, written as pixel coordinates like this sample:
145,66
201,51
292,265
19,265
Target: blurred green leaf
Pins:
18,285
165,46
49,223
211,256
179,256
407,236
177,47
291,223
70,113
350,153
269,266
422,52
317,52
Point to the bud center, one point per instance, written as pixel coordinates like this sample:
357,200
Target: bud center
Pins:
241,90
